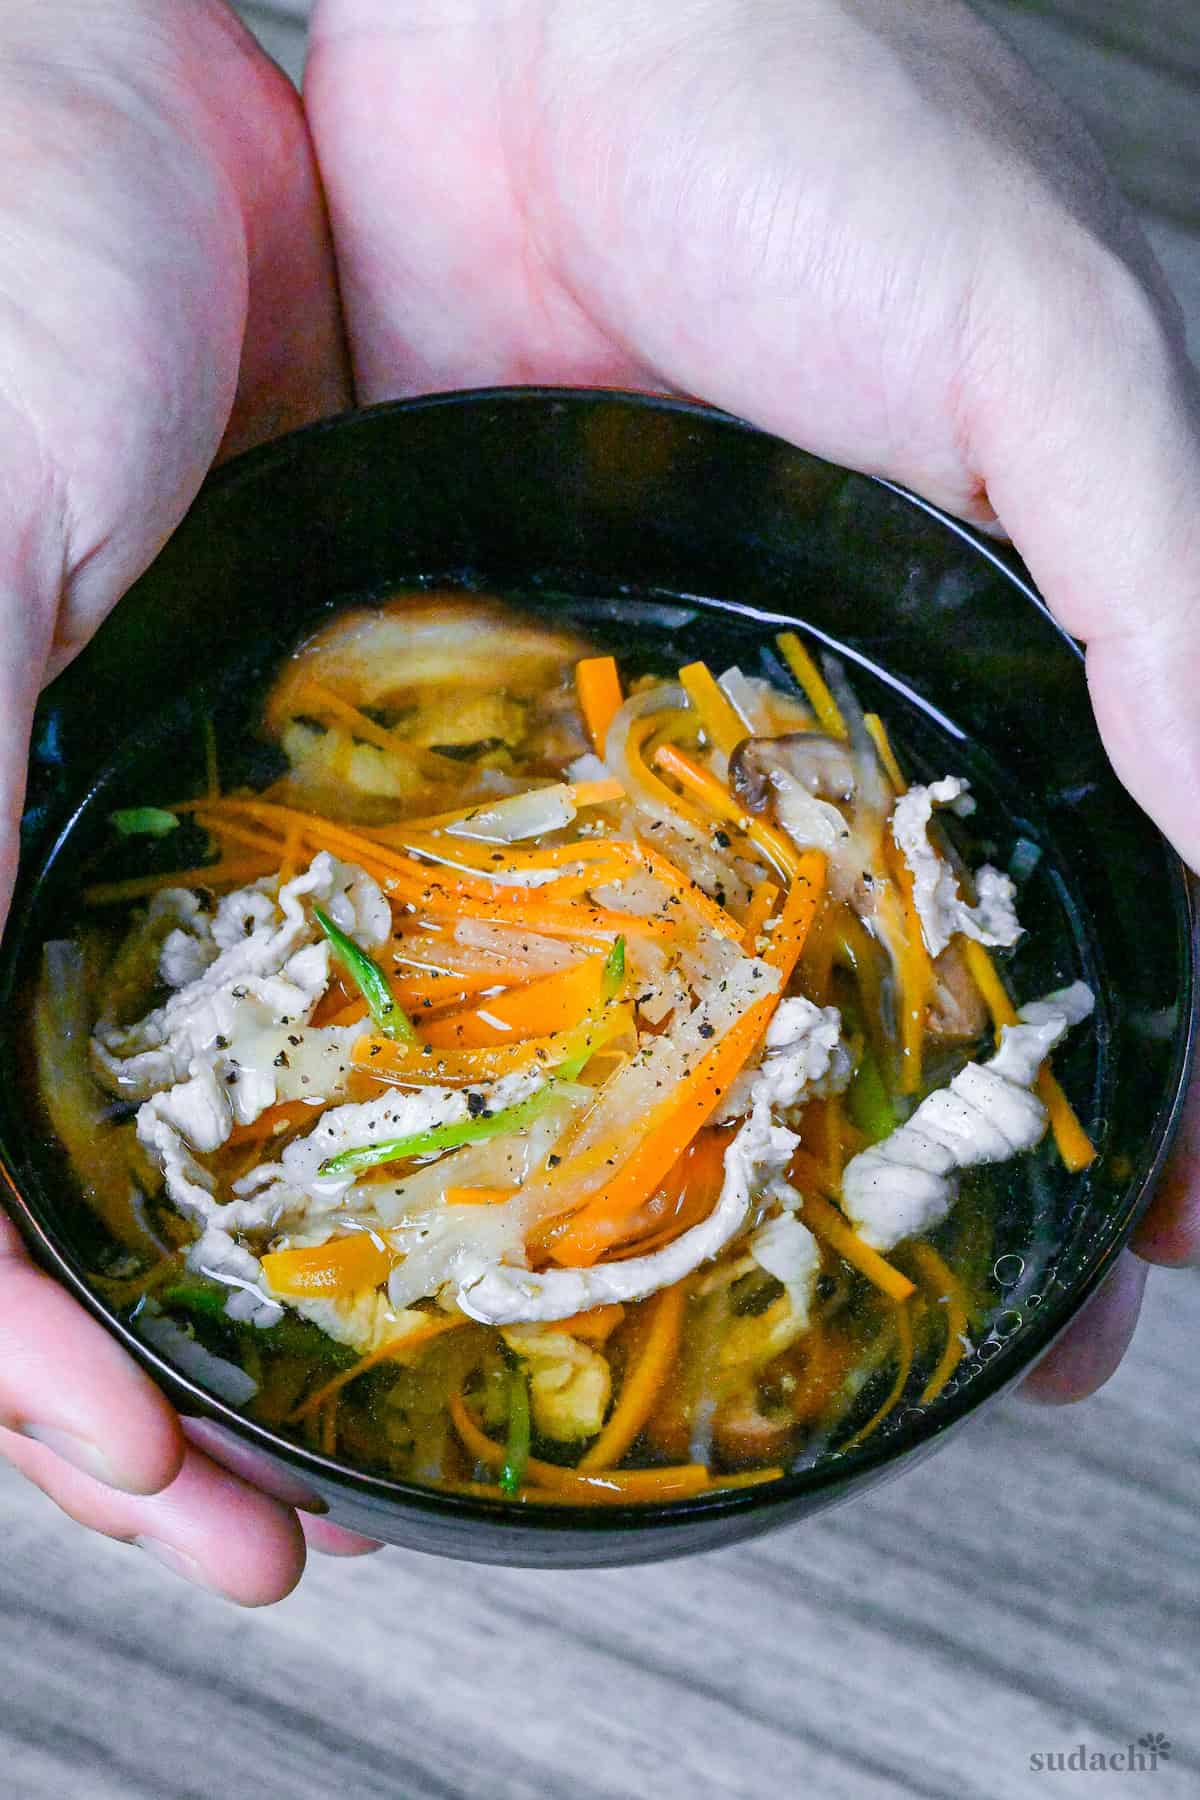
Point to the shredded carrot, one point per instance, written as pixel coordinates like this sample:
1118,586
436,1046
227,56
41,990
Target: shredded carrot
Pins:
477,1196
825,1221
212,772
643,1381
713,795
336,1270
228,872
614,1485
945,1291
902,1327
597,1326
553,1003
640,733
877,732
271,1123
749,1478
812,684
431,1327
329,1413
620,1488
598,686
915,978
417,1064
762,905
725,727
1074,1145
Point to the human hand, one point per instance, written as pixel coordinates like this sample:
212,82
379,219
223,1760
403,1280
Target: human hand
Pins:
866,227
164,283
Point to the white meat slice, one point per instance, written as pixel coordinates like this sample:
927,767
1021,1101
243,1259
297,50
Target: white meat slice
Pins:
497,1293
907,1183
940,907
804,1058
788,1250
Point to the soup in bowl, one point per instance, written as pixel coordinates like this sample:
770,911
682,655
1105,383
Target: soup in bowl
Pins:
570,1057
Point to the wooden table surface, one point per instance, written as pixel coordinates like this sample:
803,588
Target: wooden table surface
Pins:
1033,1588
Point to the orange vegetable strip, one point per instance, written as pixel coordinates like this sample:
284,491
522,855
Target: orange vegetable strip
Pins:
1074,1145
336,1270
238,834
427,761
945,1290
597,1326
477,1196
267,1124
573,919
812,684
643,1382
598,686
640,733
750,1478
417,1064
212,773
431,1327
915,978
552,1003
225,873
725,726
720,802
877,732
671,1126
825,1221
902,1325
762,905
614,1484
617,1487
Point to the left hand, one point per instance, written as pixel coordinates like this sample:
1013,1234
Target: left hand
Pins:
866,227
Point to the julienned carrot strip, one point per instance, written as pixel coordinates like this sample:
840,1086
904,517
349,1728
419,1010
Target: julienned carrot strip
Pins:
762,905
614,1485
944,1290
877,732
812,684
620,1488
725,727
1074,1145
598,686
825,1221
572,919
597,1326
228,872
416,1064
538,1009
671,1127
721,804
268,1124
643,1382
432,1326
640,732
477,1196
336,1270
902,1330
915,978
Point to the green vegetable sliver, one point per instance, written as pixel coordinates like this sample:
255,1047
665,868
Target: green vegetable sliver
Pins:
869,1103
443,1137
387,1015
144,821
516,1452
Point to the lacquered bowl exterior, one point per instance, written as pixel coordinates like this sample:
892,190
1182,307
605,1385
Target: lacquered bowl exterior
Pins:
656,502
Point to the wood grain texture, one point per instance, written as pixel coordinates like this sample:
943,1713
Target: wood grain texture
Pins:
1034,1586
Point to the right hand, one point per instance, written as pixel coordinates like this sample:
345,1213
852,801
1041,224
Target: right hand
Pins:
165,284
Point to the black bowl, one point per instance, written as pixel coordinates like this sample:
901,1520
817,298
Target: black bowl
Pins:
712,532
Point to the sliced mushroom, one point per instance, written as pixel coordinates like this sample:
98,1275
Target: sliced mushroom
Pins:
957,1014
761,768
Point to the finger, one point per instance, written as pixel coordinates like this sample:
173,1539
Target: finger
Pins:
1092,1346
65,1383
1169,1232
208,1527
335,1540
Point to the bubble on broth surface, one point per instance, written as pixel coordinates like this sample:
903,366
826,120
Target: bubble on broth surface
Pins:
1008,1270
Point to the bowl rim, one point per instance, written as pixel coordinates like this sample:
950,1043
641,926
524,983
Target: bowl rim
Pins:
820,1482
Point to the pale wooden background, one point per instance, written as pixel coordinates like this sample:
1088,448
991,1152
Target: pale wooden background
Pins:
1034,1586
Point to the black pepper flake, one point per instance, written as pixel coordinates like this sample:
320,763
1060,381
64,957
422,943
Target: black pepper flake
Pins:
231,1078
281,1061
239,993
221,1041
553,1161
706,1030
304,1081
426,1049
294,1041
375,1049
427,1002
247,927
826,1287
719,896
722,838
475,1104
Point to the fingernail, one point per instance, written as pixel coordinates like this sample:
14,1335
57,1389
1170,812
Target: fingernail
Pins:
185,1566
77,1451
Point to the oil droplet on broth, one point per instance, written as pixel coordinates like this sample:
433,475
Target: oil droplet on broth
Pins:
1008,1270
